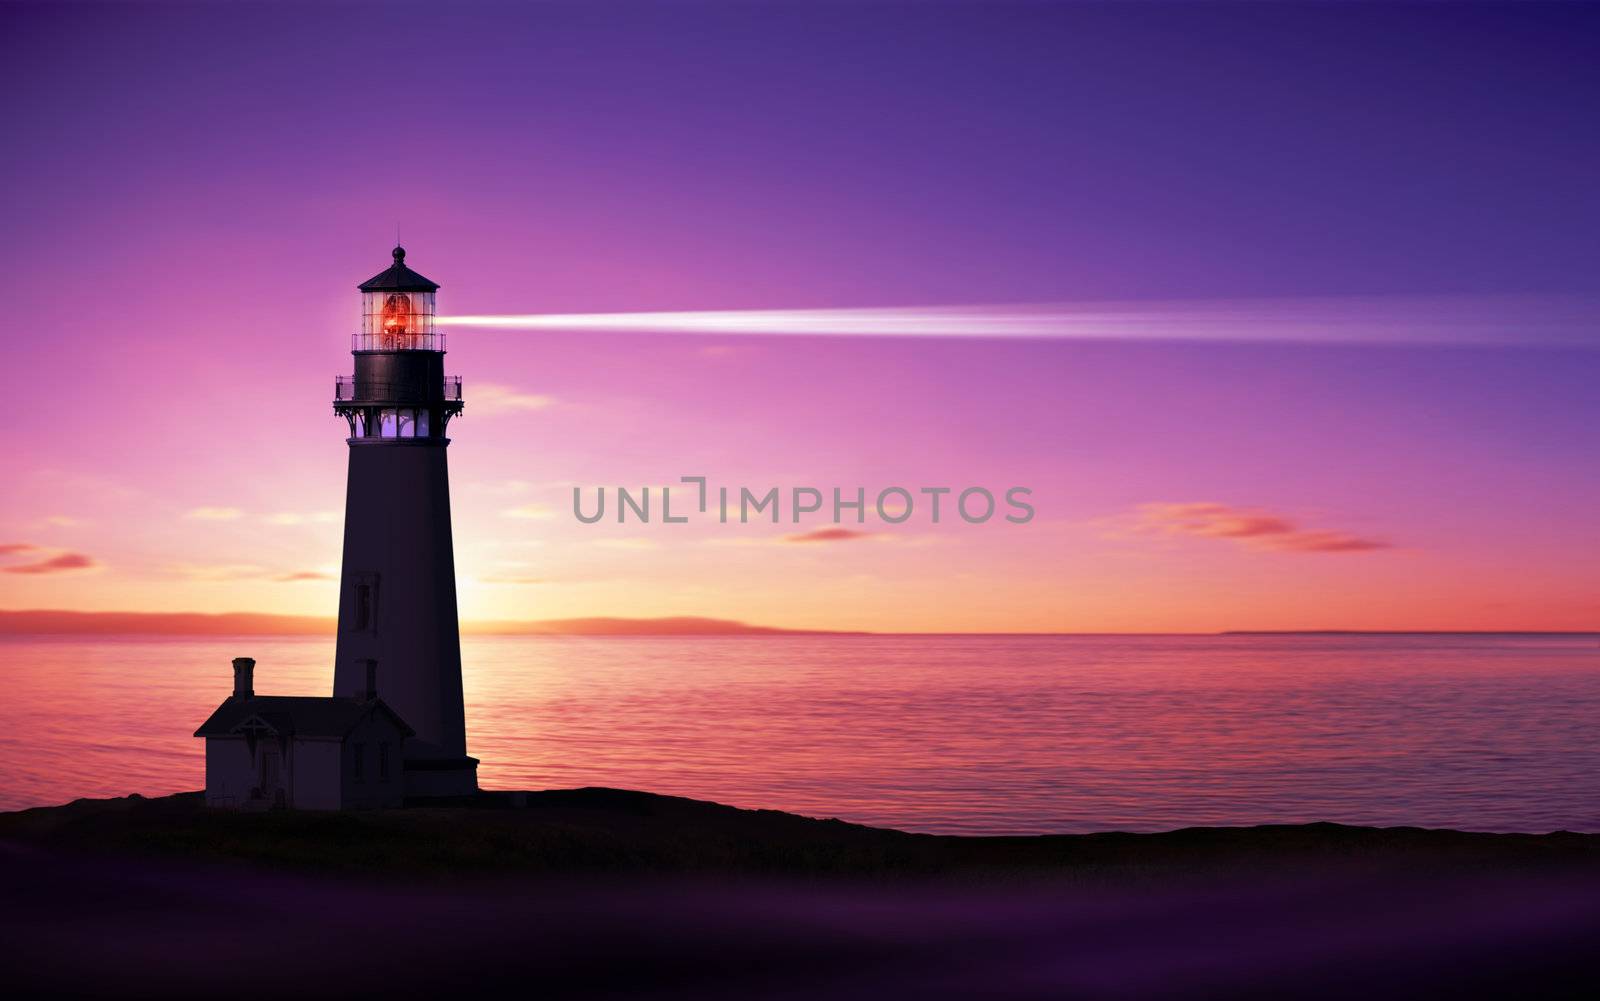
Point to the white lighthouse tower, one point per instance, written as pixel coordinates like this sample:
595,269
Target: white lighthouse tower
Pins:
397,602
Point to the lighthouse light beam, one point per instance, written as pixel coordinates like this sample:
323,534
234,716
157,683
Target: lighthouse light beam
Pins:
1393,320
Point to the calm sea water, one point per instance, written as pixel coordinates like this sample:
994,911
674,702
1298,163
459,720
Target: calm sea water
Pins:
944,734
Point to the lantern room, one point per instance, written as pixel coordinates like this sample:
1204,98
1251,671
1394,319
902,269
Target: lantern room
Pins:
397,311
398,392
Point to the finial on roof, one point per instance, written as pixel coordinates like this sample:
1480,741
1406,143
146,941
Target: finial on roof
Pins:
399,254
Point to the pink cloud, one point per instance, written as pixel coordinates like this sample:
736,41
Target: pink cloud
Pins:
1327,542
827,535
13,548
1250,527
56,564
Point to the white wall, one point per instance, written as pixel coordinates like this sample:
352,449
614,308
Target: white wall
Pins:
316,775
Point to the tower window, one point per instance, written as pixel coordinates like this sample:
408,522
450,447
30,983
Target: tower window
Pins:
388,421
358,608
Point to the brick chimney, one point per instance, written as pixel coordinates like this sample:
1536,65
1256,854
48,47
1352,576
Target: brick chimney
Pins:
370,671
244,677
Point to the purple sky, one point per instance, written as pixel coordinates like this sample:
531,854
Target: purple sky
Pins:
193,192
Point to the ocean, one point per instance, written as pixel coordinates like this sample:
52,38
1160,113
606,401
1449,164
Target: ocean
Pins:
943,734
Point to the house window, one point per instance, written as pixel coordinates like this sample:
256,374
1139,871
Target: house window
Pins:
383,761
361,762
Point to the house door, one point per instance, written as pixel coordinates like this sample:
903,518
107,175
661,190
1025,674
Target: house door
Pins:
270,773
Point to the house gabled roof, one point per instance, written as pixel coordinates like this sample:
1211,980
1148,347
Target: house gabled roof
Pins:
296,715
398,278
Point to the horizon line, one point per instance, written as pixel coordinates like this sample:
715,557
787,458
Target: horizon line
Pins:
41,622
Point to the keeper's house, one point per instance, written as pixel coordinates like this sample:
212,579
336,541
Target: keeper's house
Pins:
303,752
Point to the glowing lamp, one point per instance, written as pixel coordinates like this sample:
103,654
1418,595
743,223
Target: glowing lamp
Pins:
397,313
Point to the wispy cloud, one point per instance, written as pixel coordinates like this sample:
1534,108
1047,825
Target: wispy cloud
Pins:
634,543
302,518
1250,527
492,398
535,512
828,535
56,564
1328,542
13,548
218,571
213,514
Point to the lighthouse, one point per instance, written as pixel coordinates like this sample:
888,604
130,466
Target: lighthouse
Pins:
397,598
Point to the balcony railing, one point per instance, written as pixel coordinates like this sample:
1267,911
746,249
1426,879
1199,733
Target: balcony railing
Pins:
344,390
383,341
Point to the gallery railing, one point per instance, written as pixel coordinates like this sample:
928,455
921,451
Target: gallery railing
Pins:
389,341
344,390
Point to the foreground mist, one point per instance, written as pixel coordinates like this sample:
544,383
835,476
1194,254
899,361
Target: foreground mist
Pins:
591,893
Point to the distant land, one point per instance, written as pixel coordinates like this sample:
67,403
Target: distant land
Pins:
258,624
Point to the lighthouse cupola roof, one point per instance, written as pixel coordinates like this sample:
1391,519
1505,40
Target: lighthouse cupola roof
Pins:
398,278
